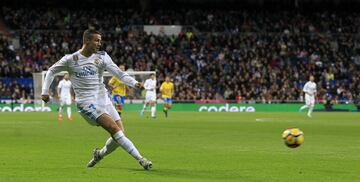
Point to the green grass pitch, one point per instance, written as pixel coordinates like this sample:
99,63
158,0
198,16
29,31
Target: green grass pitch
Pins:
185,147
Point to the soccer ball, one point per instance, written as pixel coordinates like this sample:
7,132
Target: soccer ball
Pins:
293,137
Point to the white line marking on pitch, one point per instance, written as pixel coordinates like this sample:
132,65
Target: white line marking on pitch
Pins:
271,120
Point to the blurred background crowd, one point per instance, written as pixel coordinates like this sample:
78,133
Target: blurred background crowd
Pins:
219,56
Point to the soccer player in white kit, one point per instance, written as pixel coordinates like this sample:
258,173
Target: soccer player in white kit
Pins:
64,97
86,68
150,97
310,93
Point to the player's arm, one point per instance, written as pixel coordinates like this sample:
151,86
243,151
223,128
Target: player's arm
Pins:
111,67
59,66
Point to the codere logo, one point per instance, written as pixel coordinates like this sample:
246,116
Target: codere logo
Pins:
21,108
227,108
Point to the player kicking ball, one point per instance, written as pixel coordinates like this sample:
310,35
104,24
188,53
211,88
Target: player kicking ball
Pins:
64,97
310,92
150,96
86,68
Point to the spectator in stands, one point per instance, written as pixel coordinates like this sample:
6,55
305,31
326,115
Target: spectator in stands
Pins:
254,57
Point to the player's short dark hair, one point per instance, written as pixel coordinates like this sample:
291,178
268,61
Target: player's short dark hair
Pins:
152,74
89,33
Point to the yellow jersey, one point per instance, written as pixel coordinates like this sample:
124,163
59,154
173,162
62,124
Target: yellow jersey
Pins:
119,87
167,89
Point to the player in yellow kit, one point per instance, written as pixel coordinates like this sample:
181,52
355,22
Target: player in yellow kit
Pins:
118,91
167,91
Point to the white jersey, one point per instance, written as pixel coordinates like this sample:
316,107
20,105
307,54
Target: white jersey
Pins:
310,87
65,86
150,87
86,75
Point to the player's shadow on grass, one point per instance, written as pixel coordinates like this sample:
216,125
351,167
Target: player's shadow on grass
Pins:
194,174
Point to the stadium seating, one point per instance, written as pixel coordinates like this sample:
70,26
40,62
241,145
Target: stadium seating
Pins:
237,56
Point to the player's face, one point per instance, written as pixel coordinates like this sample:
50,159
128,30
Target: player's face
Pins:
94,43
122,68
152,77
167,79
311,78
66,76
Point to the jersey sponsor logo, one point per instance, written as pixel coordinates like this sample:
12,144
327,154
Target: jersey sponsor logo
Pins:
86,71
226,108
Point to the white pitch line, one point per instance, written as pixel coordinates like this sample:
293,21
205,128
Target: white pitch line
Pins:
271,120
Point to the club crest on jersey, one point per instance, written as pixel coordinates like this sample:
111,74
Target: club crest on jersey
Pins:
97,61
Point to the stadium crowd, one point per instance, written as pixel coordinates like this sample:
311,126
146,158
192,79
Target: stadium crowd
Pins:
204,20
235,56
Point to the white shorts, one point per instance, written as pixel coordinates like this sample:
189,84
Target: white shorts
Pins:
150,97
309,100
91,111
65,101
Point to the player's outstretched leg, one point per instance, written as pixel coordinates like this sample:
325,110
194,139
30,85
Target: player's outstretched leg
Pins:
99,154
117,134
110,146
129,147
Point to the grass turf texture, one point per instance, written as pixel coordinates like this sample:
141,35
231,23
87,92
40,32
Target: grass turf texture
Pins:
184,147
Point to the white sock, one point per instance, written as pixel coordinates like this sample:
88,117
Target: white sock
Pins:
110,146
144,107
69,111
153,111
303,107
60,110
310,110
127,145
